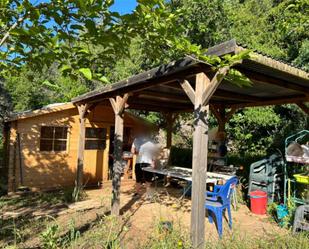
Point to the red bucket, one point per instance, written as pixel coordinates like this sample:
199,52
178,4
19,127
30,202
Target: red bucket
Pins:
258,200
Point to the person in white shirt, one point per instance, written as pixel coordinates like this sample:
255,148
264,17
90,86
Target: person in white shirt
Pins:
145,149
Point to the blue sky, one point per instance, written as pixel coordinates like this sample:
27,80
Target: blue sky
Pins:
124,6
121,6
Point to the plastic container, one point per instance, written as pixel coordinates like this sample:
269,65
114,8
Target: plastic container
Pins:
258,202
301,178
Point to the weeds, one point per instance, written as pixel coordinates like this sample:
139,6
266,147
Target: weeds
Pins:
165,237
105,234
71,239
78,193
17,230
37,199
179,239
50,237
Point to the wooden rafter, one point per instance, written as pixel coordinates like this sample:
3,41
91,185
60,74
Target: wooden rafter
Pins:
273,81
159,104
188,90
224,94
163,96
277,101
214,83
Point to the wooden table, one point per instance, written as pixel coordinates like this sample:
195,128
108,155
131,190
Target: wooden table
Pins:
186,174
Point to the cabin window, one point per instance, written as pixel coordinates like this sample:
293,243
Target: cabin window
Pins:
95,139
53,138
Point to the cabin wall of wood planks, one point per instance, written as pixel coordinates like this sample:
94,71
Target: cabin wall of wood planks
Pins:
43,170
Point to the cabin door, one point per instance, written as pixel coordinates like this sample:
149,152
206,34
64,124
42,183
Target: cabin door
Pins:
96,155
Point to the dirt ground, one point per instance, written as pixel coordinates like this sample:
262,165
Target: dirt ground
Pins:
167,206
142,216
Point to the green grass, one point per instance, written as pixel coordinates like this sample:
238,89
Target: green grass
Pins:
37,199
15,231
109,233
179,239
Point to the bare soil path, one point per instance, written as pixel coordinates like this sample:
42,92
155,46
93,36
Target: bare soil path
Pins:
140,216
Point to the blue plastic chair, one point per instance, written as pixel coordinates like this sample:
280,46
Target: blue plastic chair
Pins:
219,201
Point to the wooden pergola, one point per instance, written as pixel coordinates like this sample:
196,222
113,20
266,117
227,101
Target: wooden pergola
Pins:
188,85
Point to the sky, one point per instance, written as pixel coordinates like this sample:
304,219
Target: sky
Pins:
124,6
121,6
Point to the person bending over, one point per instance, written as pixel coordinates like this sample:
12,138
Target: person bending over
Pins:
145,149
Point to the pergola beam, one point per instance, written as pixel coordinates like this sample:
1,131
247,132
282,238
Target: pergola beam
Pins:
159,104
273,81
277,101
163,96
228,95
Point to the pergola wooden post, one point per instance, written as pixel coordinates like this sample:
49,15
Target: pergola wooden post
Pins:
82,111
222,116
204,88
170,118
118,105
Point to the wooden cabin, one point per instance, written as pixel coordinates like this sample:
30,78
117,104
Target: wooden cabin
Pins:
41,147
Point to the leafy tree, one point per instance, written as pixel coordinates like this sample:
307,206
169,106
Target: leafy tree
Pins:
291,22
302,59
252,130
32,89
5,102
206,22
252,26
62,32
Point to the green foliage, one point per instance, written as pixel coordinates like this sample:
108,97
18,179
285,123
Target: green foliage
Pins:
206,22
105,234
178,238
181,157
85,36
302,59
250,25
291,22
135,62
33,89
168,238
37,199
252,130
77,194
50,237
76,27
